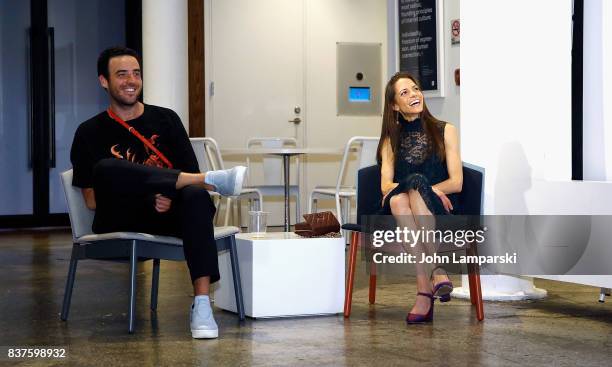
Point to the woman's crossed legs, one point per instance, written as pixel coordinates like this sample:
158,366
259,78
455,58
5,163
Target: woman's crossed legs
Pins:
411,212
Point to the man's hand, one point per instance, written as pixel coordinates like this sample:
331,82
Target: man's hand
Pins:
162,203
448,206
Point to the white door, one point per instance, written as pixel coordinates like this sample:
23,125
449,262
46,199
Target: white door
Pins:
255,69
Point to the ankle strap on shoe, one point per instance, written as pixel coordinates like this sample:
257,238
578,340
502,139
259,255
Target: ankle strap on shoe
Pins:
428,295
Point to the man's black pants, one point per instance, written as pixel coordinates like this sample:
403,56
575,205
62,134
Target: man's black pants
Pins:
125,201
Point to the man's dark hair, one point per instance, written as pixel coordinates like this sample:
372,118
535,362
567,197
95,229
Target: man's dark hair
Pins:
111,52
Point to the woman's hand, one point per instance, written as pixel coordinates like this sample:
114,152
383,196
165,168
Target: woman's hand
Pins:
394,185
448,206
162,203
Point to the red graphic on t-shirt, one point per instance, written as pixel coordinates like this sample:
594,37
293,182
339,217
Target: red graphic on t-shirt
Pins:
149,158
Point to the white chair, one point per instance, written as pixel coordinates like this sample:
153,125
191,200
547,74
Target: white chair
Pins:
202,156
133,246
273,170
209,158
366,157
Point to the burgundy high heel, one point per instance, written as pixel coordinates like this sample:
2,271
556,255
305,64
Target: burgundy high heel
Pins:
442,290
414,318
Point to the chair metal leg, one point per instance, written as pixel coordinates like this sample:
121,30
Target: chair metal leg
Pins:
236,278
228,209
155,285
69,283
298,208
312,205
346,215
347,210
237,212
133,263
603,292
310,200
350,279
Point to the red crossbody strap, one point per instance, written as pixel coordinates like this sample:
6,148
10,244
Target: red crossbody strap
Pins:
139,136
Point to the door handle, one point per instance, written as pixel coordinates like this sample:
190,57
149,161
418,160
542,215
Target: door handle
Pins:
296,120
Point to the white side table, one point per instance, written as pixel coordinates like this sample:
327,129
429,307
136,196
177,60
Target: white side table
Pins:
284,274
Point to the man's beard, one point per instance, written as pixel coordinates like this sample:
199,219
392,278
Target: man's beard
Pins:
122,101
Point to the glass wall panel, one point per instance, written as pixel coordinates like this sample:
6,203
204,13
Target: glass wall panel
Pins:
82,29
15,113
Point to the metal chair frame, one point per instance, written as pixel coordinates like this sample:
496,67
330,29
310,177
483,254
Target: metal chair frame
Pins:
340,192
209,158
118,246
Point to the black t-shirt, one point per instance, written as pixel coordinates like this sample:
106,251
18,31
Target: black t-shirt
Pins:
102,137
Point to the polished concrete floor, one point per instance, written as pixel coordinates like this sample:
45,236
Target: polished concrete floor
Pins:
569,328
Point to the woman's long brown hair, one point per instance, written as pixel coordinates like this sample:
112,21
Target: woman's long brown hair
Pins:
390,127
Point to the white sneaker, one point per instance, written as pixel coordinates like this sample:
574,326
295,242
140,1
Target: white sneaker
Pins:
227,182
203,325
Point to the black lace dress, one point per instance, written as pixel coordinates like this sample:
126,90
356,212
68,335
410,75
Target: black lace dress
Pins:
418,167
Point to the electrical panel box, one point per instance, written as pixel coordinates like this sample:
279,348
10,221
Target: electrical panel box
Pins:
359,84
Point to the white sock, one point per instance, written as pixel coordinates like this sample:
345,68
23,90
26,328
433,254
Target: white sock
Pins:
201,298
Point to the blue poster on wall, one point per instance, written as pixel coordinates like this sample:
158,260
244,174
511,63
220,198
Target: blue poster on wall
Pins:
418,50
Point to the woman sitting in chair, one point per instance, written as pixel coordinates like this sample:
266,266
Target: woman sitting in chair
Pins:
420,171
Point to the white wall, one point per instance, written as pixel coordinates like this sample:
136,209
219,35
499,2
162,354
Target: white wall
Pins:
164,48
597,128
516,99
516,110
446,108
597,115
328,22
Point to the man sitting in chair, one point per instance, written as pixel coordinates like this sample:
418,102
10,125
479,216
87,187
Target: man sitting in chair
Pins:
137,169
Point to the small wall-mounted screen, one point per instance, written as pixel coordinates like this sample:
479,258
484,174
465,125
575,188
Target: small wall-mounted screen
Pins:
359,94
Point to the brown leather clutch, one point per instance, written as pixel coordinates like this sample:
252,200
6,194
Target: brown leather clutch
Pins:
318,224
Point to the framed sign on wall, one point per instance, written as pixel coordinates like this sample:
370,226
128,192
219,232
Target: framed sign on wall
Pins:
420,37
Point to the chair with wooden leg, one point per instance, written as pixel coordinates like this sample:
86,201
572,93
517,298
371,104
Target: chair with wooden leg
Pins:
369,198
